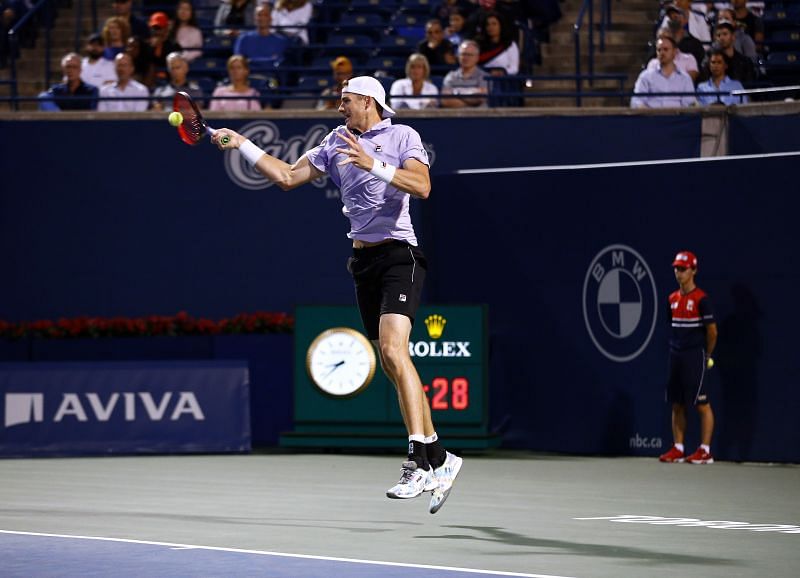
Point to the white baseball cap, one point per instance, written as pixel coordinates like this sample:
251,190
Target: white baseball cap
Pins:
368,86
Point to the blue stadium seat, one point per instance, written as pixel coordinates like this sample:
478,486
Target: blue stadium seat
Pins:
396,45
409,25
215,67
358,46
784,38
356,19
783,60
375,6
423,8
393,65
217,46
313,83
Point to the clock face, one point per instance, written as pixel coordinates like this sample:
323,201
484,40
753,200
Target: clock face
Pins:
341,362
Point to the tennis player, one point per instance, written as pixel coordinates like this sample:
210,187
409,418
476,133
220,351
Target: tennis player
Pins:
378,166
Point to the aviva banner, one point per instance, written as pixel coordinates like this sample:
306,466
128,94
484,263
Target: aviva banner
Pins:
342,398
124,408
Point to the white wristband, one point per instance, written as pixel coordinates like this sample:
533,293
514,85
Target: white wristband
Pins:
250,152
384,171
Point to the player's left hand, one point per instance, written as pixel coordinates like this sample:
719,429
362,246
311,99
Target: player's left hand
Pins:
354,151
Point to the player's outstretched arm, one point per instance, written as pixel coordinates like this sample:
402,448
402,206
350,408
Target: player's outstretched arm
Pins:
281,173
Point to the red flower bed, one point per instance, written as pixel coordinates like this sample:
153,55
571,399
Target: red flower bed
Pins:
180,324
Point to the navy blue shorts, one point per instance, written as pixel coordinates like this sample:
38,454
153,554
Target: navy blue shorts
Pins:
389,279
687,371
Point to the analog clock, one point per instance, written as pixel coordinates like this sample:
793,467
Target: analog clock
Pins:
341,362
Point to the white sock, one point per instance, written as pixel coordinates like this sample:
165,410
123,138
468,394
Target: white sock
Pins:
417,438
679,447
431,439
705,448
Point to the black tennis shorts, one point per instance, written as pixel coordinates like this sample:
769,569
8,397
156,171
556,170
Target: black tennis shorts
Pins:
388,279
687,371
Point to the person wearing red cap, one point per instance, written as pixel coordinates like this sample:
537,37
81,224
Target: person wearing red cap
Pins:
160,44
692,341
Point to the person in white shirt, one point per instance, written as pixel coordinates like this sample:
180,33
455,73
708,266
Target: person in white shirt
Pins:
95,69
498,49
125,86
415,84
683,61
295,13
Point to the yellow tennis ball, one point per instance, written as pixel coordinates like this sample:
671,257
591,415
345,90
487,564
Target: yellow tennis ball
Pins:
710,363
175,118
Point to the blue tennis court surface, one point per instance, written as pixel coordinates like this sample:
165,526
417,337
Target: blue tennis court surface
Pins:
42,555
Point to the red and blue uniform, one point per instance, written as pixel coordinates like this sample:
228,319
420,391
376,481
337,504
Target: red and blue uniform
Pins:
689,315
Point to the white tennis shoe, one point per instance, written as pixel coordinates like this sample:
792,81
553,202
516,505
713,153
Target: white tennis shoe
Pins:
444,476
413,481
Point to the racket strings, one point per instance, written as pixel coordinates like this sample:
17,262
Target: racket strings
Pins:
191,129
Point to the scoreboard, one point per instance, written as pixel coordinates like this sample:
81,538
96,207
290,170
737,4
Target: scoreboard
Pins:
343,399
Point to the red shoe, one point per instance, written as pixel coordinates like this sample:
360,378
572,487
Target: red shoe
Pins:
673,456
701,456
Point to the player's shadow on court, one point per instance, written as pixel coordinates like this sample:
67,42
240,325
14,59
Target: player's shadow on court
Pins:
739,350
545,546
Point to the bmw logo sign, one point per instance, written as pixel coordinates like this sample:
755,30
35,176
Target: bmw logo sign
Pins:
619,302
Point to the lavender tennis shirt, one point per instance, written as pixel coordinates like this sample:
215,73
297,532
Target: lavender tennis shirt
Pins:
376,210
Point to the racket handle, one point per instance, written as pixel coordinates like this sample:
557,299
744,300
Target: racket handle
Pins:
225,139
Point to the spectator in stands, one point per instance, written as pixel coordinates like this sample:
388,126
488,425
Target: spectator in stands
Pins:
342,70
160,44
261,45
695,19
498,49
233,15
415,84
291,17
239,75
115,36
665,78
751,24
740,67
185,31
95,69
125,87
683,61
454,32
140,51
465,86
73,93
178,68
136,26
719,82
435,47
688,44
742,42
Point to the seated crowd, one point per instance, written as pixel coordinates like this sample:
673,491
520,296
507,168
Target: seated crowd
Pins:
462,41
704,51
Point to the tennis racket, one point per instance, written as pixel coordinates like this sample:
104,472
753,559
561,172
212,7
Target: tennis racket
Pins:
194,127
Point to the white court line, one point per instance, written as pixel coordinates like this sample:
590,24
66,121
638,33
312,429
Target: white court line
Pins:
623,164
281,554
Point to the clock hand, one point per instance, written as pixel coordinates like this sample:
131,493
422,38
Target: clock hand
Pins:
334,367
